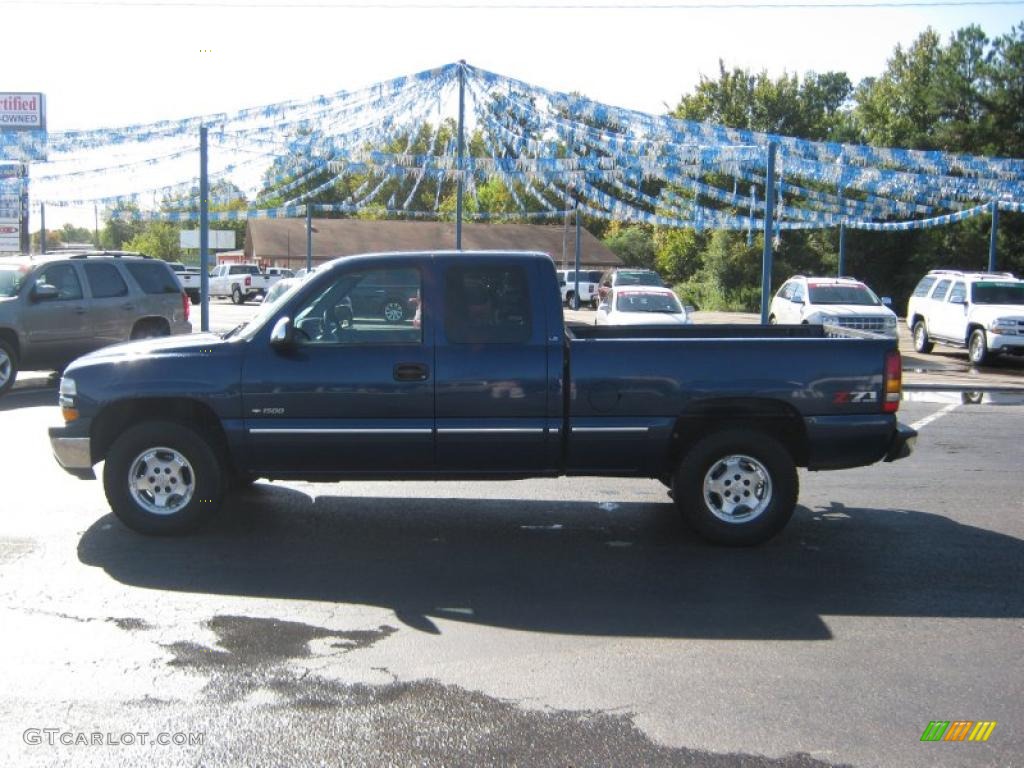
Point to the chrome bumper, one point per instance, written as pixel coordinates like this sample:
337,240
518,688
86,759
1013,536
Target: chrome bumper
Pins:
72,453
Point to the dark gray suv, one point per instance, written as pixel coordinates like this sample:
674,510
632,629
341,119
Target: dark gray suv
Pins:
55,308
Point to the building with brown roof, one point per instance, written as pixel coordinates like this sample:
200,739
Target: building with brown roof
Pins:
282,242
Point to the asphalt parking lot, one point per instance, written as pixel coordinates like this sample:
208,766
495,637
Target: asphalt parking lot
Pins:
547,622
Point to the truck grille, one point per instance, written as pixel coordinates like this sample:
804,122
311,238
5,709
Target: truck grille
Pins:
876,324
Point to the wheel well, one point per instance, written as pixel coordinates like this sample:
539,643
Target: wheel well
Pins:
971,328
772,417
11,338
117,417
145,322
913,320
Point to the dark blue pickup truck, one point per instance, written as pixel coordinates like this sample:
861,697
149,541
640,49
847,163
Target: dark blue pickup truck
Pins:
480,378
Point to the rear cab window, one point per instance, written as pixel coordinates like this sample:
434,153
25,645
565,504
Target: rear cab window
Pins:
153,277
487,304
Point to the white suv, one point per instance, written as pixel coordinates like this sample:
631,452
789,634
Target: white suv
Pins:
983,311
840,301
589,279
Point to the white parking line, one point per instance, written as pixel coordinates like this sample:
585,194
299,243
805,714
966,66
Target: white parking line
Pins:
937,415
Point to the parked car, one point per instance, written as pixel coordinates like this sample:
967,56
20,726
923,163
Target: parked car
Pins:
641,305
190,279
589,279
491,384
617,276
983,311
240,282
304,272
280,272
841,301
56,308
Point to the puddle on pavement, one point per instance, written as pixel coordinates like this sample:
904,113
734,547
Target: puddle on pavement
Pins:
964,397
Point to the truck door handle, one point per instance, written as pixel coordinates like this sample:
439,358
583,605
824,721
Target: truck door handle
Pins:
411,372
127,306
79,310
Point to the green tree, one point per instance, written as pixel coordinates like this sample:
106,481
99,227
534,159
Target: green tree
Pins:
158,239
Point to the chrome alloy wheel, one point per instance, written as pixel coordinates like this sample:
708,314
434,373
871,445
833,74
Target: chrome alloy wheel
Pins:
393,312
161,481
5,368
737,488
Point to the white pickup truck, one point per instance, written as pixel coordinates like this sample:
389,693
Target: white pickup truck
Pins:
242,282
188,279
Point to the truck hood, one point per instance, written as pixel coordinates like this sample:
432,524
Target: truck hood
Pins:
846,310
176,346
986,313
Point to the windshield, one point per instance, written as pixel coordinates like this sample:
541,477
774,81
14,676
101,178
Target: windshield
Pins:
638,278
11,278
645,301
267,308
998,293
859,295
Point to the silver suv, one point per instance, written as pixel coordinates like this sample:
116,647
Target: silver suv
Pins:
56,308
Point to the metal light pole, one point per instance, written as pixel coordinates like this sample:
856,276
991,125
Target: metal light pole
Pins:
42,227
461,145
309,237
993,237
96,224
576,294
769,227
204,233
842,249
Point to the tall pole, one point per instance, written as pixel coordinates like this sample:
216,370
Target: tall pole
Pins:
309,237
461,140
42,227
96,224
769,228
204,233
842,249
576,293
992,237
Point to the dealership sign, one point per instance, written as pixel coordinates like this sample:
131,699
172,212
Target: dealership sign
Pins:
23,111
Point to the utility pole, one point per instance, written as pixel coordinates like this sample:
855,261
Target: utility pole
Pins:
769,228
461,149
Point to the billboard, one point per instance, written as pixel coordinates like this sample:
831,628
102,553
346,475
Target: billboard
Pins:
220,239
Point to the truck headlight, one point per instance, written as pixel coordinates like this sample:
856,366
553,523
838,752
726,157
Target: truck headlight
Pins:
67,393
890,323
1002,325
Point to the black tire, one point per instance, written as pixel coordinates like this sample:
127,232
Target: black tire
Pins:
8,367
772,320
568,299
707,460
922,343
236,296
595,302
205,479
977,348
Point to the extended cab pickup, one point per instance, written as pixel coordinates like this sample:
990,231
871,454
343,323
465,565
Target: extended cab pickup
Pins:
242,282
484,381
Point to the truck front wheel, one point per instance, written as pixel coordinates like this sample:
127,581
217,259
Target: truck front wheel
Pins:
163,478
236,296
736,487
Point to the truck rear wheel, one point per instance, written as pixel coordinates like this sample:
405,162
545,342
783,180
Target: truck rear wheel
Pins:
736,487
236,296
163,478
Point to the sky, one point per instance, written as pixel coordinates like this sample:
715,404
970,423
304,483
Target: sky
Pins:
118,62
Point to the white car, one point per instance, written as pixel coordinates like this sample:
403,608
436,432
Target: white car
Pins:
641,305
840,301
983,311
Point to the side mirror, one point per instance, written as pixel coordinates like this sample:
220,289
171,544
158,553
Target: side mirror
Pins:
282,337
689,309
887,301
44,292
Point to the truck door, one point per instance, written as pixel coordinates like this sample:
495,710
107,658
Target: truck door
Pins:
492,369
356,393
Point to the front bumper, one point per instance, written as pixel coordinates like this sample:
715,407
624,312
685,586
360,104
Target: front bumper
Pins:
74,454
1005,342
902,444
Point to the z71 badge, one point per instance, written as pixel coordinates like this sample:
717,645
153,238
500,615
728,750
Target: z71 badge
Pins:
867,396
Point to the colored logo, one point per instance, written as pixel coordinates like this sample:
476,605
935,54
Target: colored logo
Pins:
958,730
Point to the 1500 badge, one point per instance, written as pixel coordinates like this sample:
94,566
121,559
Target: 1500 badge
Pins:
268,411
